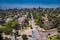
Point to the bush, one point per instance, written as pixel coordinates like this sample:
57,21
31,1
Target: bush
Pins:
7,38
24,36
7,30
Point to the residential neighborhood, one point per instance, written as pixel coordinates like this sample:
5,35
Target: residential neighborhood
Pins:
30,20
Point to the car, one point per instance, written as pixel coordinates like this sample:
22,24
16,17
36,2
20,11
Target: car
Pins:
30,35
58,31
44,30
49,34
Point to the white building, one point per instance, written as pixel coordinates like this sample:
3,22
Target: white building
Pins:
8,19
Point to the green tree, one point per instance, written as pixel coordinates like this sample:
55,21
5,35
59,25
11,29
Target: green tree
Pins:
12,23
9,26
7,38
58,28
7,30
24,36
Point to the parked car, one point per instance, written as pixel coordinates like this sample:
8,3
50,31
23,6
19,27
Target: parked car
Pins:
48,35
44,30
30,35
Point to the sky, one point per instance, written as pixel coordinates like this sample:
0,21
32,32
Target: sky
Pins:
29,3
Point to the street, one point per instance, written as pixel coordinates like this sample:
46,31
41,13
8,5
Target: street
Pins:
39,34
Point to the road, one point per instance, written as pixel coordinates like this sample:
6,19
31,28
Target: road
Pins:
20,19
52,32
39,34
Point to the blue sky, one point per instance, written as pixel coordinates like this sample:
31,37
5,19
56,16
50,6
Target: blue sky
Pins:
28,3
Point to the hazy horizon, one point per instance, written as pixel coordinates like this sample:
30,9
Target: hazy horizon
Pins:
5,4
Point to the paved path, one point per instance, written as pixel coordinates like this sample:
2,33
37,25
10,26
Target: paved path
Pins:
38,34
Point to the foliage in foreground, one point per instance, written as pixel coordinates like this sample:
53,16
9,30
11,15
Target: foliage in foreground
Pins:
56,37
7,29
